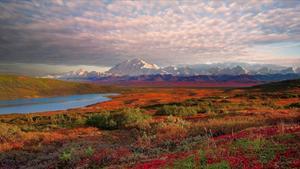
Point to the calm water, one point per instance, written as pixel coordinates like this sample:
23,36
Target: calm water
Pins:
50,104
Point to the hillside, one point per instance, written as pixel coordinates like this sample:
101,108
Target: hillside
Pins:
13,86
279,86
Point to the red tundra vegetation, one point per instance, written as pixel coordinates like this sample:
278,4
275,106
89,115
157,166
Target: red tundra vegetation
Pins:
163,127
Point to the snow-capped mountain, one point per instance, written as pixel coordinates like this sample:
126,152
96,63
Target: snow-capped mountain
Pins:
237,70
264,70
287,70
80,74
138,67
171,70
134,67
251,68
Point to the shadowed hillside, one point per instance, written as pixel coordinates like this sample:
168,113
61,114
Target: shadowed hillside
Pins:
12,87
282,85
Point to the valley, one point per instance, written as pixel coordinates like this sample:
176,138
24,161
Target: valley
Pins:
164,127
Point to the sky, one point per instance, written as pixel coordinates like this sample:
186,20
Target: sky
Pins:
52,36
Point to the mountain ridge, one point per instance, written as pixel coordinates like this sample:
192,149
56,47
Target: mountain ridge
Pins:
134,67
139,67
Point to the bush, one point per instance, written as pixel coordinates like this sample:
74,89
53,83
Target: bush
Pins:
288,95
202,158
66,155
66,159
89,151
293,105
9,132
102,121
178,110
129,117
115,120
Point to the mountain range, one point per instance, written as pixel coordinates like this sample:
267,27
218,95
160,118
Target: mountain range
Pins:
138,67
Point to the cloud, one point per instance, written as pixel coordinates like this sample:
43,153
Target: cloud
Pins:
44,69
165,32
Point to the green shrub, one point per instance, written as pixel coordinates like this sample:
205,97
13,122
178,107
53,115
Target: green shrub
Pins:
293,105
115,120
188,163
129,117
102,121
89,151
284,137
268,152
203,159
246,144
264,149
191,163
66,155
178,110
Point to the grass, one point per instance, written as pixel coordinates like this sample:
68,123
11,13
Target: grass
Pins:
9,132
191,163
266,150
188,163
14,87
285,137
220,165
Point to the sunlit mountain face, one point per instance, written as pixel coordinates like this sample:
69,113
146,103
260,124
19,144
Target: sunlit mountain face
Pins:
55,36
138,67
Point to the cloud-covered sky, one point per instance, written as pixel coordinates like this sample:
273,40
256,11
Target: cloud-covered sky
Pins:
103,33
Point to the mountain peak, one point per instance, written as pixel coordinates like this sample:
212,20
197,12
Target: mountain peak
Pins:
137,67
142,63
134,67
135,60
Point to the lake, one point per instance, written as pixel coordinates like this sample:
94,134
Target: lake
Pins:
50,103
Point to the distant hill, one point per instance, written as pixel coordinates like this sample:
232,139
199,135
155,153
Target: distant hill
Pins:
13,86
195,81
279,86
